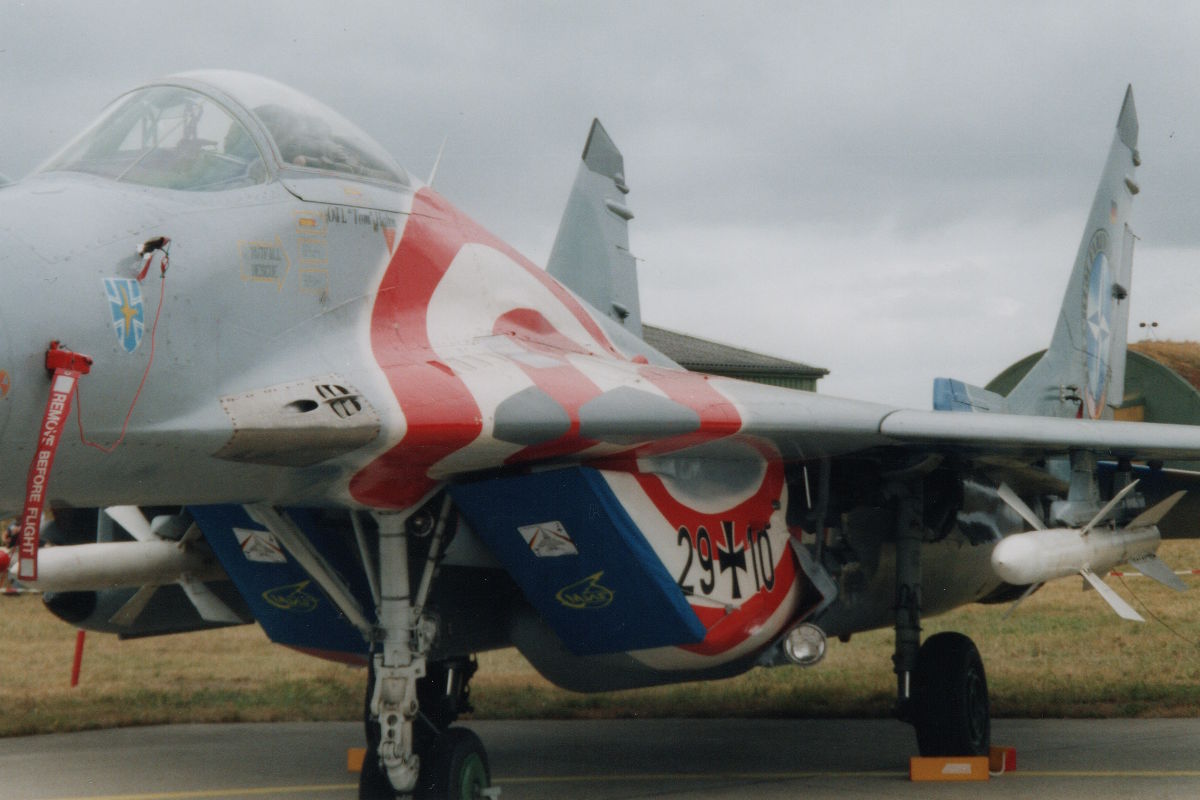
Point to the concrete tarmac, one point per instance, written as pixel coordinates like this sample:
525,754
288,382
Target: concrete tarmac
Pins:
606,760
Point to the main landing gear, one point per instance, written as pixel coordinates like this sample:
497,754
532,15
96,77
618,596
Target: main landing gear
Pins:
951,714
941,686
411,703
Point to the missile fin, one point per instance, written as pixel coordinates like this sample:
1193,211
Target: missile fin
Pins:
211,607
1154,514
128,613
132,520
1109,506
1118,604
1154,567
1018,505
1033,587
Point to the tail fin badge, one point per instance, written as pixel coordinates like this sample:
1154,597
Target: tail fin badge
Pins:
1098,309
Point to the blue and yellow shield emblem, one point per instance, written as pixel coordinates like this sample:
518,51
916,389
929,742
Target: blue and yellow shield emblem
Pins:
128,314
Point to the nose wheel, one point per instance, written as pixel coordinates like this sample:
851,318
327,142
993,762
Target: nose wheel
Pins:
458,768
453,762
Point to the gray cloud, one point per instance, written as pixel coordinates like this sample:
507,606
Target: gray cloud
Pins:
890,190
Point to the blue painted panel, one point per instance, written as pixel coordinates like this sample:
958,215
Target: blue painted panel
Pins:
612,594
291,607
950,395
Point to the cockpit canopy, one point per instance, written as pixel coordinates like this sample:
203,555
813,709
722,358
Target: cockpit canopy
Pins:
216,130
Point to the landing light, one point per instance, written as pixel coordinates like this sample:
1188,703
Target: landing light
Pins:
804,644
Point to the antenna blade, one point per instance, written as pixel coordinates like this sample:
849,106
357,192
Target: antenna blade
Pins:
437,161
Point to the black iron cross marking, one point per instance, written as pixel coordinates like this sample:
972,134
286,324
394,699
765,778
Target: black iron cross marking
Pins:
733,558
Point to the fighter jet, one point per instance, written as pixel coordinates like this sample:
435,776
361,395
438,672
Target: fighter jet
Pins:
258,372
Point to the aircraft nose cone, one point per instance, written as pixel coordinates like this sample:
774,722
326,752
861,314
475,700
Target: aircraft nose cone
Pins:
8,247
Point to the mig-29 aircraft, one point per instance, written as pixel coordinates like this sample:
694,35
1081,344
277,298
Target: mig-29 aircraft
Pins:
259,372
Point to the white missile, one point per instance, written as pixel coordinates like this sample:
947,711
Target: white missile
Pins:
1040,556
149,562
113,565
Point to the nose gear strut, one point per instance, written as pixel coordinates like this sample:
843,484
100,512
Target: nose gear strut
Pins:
410,702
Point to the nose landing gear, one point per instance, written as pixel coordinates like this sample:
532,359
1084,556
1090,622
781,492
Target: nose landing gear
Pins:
452,761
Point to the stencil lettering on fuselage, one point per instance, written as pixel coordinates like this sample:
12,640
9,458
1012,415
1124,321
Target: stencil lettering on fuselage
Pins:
265,262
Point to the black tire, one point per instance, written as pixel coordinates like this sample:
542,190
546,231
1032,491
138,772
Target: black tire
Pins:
952,713
457,768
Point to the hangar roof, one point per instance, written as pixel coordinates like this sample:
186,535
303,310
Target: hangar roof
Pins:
704,355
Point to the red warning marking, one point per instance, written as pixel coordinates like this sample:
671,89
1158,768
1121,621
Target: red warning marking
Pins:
77,662
58,408
65,367
5,383
1116,573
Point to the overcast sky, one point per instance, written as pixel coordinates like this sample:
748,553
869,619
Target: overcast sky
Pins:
891,191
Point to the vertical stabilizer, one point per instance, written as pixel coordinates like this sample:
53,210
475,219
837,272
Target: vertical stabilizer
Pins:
1083,372
591,252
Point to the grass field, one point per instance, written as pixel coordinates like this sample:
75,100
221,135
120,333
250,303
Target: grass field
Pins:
1063,654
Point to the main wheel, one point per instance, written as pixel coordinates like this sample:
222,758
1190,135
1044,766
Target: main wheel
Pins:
457,768
952,713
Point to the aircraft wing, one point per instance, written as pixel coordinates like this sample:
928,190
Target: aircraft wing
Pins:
1035,436
803,425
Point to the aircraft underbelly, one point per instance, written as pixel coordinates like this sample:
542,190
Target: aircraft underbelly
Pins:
580,560
625,561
